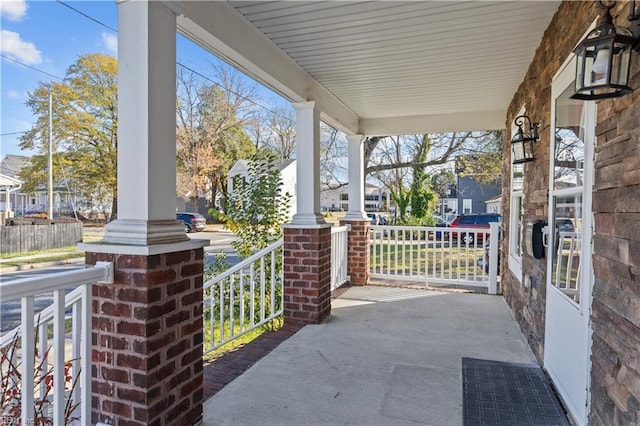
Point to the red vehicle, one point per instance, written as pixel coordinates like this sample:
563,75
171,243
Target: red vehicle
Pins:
473,222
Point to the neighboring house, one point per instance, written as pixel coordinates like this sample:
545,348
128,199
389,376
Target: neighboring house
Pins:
11,198
8,185
338,199
287,169
494,205
474,193
65,201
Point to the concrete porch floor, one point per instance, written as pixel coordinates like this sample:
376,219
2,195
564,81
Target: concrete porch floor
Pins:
386,356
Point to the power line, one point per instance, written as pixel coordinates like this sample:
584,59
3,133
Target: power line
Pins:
87,16
29,66
14,133
184,66
231,91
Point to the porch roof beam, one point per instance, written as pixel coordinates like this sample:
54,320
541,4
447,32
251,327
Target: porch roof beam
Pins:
434,123
220,29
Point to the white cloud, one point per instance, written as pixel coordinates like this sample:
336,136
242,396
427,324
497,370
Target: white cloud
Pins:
111,42
15,48
13,10
14,94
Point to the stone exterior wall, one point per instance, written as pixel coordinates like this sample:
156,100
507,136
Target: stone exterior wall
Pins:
147,340
615,354
615,376
527,295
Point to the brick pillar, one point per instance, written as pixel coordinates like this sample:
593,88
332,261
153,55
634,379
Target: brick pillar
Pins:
307,274
147,340
358,251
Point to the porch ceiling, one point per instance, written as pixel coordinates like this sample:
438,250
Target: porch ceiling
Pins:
384,67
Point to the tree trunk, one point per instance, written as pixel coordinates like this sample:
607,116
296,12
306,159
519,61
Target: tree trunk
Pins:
114,208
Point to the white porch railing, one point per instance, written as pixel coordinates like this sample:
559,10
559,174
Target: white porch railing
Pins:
436,255
243,297
339,241
27,349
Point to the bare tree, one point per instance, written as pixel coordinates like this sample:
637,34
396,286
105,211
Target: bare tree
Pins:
211,114
280,137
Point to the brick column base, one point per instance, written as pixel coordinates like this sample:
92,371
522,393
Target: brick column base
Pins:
307,274
147,340
358,251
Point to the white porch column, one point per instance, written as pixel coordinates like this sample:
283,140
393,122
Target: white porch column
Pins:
308,165
356,178
146,127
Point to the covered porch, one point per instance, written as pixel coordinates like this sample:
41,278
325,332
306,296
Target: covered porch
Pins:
375,355
385,356
368,69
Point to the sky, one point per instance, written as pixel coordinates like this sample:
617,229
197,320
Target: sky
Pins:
41,39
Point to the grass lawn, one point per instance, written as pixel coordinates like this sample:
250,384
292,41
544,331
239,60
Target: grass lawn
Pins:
430,259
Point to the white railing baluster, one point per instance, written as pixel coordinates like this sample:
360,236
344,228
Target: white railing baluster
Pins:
221,310
272,306
242,320
58,357
76,343
27,373
232,283
252,296
43,346
85,348
262,280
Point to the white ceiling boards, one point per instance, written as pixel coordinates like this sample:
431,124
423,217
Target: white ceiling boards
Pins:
380,67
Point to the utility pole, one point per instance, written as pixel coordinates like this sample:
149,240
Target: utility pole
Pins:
50,165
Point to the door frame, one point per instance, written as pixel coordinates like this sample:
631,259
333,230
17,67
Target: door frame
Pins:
563,79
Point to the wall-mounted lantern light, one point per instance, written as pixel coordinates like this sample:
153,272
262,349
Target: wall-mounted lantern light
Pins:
604,57
522,143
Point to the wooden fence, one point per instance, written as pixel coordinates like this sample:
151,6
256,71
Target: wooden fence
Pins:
24,238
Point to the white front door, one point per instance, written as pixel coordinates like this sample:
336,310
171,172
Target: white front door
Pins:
569,268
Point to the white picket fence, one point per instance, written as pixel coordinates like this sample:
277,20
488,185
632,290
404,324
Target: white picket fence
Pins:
436,255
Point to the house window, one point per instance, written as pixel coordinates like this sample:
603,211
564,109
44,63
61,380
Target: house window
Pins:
467,206
516,210
344,197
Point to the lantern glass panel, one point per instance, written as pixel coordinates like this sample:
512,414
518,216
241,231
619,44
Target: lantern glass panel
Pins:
518,151
620,64
528,150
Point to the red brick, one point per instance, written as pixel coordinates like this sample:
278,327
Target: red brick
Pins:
131,328
151,278
178,257
177,349
132,395
115,309
115,375
191,270
116,407
131,361
178,287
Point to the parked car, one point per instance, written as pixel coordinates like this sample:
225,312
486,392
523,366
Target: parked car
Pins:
192,221
377,219
474,221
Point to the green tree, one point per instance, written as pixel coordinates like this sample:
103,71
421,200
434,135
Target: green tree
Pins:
422,199
85,130
256,209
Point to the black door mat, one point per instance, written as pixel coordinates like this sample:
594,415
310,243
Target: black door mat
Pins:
501,393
